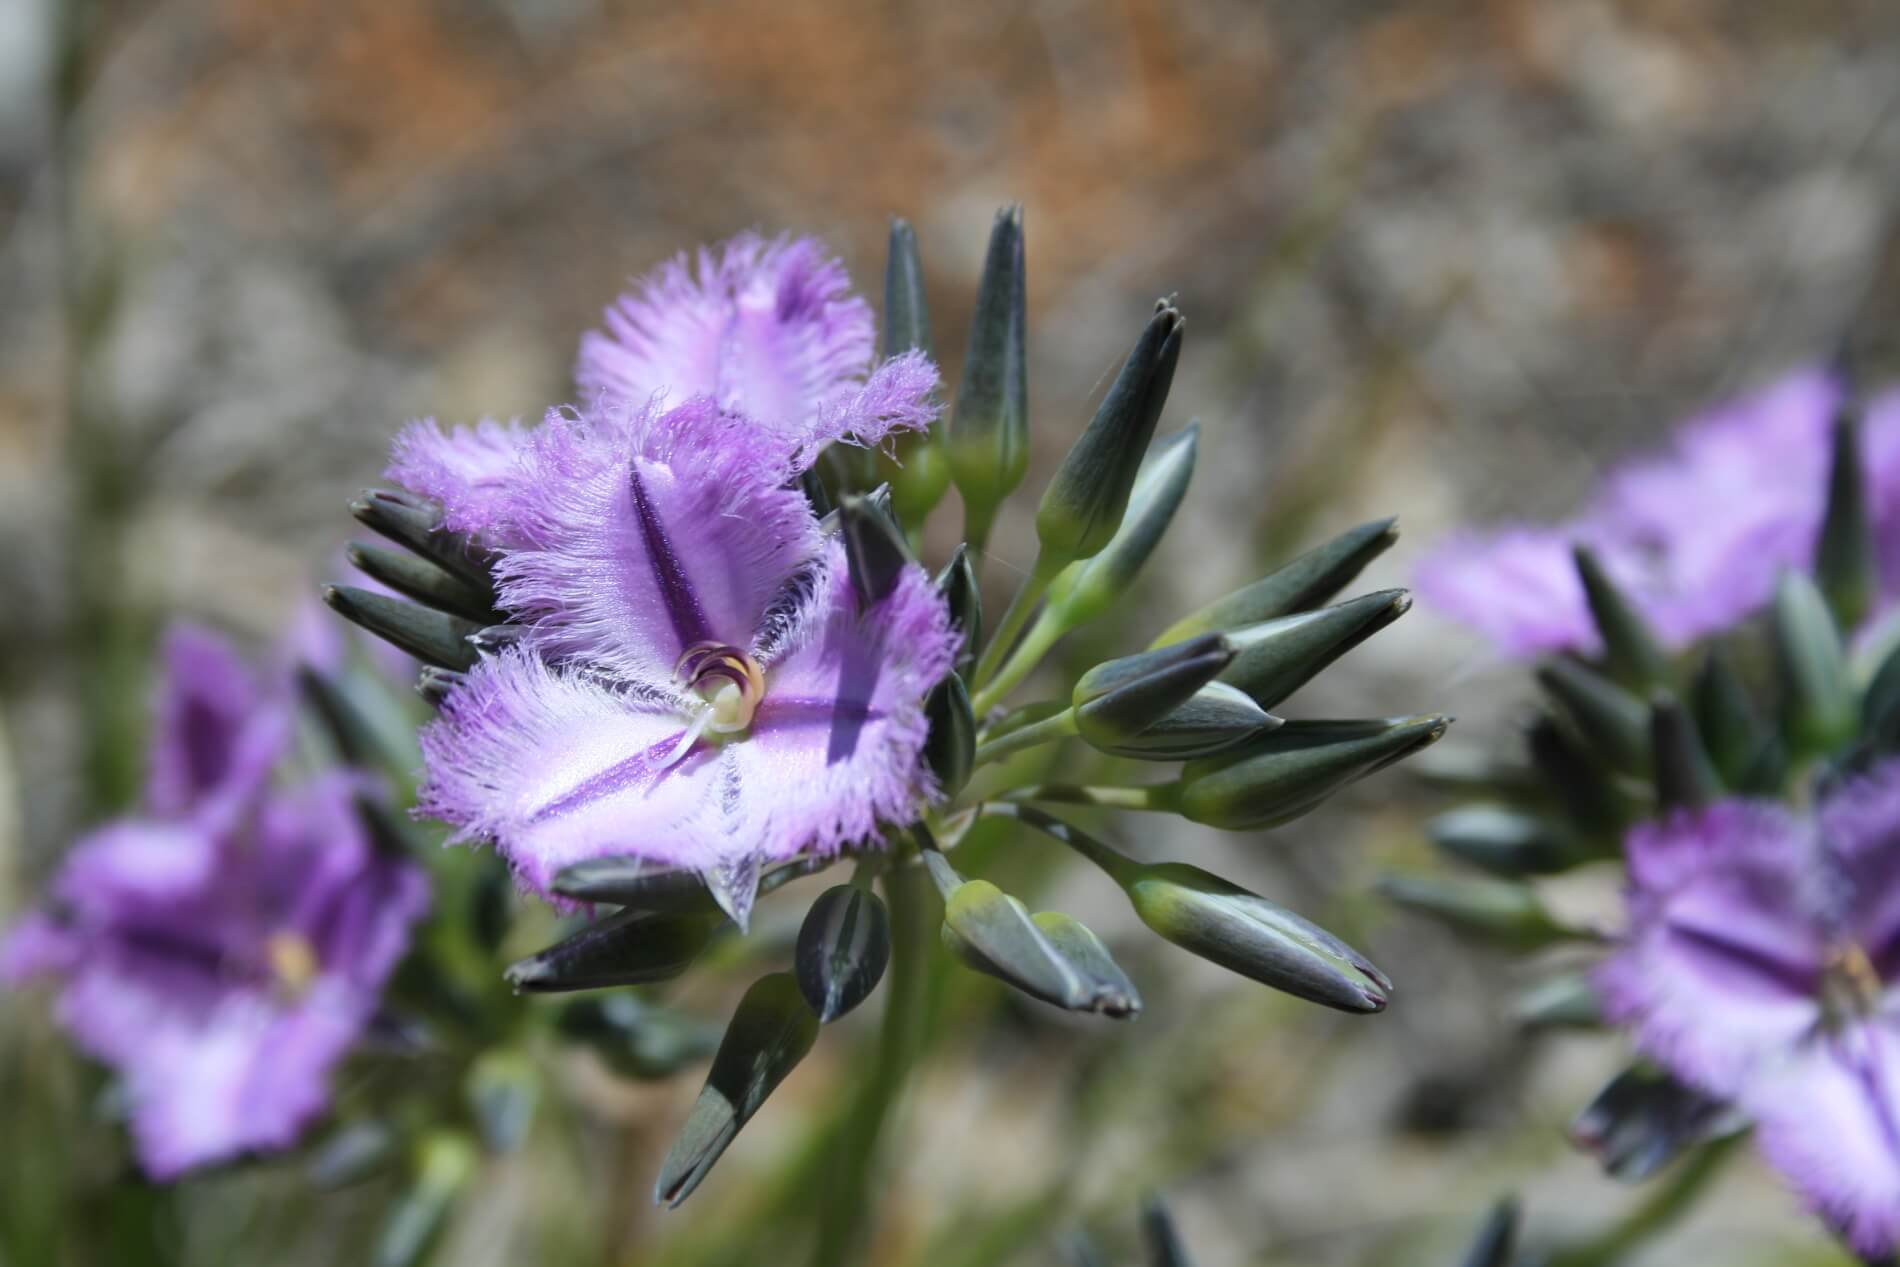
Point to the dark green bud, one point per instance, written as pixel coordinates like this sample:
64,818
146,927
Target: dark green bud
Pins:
1586,792
1739,742
1116,701
843,947
415,525
920,473
1299,586
813,486
349,732
1112,993
770,1033
1644,1119
1157,1230
950,747
992,933
1563,1002
639,885
1630,651
988,439
434,683
423,581
628,948
1278,776
1880,706
1685,778
635,1038
1214,719
1088,588
873,544
1612,723
1277,657
1499,911
1245,933
1496,1242
1083,505
957,583
1504,842
1844,555
1819,711
430,636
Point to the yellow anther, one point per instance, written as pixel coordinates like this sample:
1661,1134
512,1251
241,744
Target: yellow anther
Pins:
293,961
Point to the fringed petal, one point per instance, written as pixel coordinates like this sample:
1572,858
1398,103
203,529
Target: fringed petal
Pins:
1721,968
556,768
836,746
472,471
768,329
651,535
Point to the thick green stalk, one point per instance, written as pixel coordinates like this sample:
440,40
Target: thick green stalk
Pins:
845,1213
1019,611
1161,796
1022,662
1048,730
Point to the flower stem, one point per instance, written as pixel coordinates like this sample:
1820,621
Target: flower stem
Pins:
1159,796
1028,594
1048,730
1119,866
844,1215
1665,1206
1042,635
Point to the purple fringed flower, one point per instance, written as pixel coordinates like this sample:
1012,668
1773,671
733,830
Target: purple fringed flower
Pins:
222,950
1697,536
697,683
769,330
1762,966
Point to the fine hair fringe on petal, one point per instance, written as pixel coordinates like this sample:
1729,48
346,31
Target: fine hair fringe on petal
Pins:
469,470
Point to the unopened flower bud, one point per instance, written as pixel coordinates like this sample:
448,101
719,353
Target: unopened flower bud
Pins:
843,947
1301,585
1630,651
1501,911
1088,588
957,583
431,636
988,439
1247,934
920,471
950,747
1819,711
1116,701
1083,505
628,948
1280,775
873,544
771,1031
1112,993
1277,657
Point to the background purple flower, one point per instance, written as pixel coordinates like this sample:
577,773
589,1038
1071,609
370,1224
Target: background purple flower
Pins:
221,950
1696,536
1762,965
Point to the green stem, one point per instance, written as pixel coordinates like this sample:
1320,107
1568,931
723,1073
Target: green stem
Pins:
1119,866
1153,797
1048,730
1028,594
1665,1206
977,521
1042,635
844,1216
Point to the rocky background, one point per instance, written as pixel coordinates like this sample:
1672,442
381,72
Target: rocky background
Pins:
1440,259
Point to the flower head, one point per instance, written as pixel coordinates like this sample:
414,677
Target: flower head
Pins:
1696,536
222,950
697,681
1762,965
770,331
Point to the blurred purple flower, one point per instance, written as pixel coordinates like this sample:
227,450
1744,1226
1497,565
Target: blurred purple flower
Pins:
769,330
222,949
1762,966
1697,536
697,683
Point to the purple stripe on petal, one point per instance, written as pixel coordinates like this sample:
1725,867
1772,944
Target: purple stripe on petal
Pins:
1829,1121
638,772
669,573
817,782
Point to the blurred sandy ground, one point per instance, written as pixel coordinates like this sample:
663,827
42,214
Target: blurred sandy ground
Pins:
1439,259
